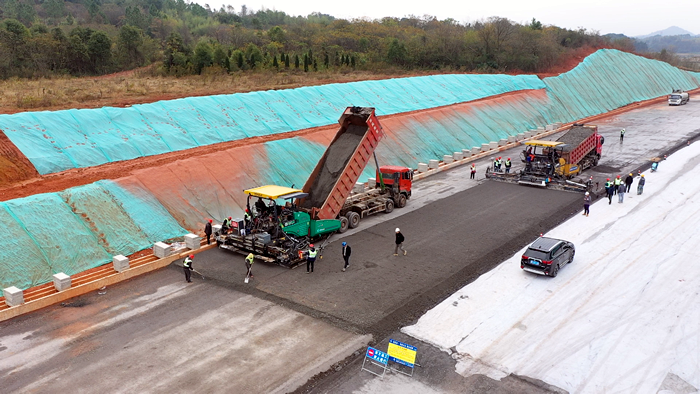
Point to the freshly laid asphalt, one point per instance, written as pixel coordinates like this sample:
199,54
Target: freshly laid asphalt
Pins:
449,242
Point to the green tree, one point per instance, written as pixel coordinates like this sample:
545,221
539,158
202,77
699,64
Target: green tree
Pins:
202,56
286,61
296,61
397,53
253,55
326,60
306,62
274,62
219,57
99,48
535,24
277,34
129,45
55,9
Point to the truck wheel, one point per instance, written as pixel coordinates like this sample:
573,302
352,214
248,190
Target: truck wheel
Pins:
402,201
344,222
353,219
389,206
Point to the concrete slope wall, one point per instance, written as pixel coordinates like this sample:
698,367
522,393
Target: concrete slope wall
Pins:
83,227
61,140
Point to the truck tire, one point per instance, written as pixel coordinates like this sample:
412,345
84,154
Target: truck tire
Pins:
389,206
344,223
402,201
353,219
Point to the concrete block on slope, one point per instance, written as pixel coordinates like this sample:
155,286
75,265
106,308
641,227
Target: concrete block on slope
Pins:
193,241
120,263
433,164
447,159
13,296
422,167
61,281
161,250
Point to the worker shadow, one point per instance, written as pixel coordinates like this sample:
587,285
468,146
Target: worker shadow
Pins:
369,264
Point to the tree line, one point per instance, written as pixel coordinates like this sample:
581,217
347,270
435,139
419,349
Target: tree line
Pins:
40,38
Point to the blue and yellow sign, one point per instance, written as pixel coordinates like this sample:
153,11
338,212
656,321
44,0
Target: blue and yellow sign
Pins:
402,353
377,355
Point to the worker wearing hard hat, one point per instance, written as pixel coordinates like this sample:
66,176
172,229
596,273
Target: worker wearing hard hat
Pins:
311,259
628,182
187,265
617,183
249,264
640,184
346,255
508,164
399,243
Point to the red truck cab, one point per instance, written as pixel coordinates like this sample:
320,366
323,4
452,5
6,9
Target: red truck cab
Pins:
402,177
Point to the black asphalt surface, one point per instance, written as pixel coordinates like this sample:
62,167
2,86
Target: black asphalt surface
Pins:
450,243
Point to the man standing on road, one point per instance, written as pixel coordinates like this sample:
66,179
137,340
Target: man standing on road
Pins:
586,203
640,185
473,173
621,194
399,243
346,255
508,164
249,264
187,265
311,259
628,182
622,134
617,183
207,231
609,190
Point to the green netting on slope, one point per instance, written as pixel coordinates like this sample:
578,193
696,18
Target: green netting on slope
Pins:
77,229
66,242
610,79
115,230
147,214
22,263
56,141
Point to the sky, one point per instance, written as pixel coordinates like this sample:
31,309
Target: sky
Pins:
629,17
623,317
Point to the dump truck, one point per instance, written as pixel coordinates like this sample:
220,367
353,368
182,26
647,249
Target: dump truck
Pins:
555,163
330,185
678,97
283,221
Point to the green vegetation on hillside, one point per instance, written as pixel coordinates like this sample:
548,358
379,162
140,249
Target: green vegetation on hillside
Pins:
40,38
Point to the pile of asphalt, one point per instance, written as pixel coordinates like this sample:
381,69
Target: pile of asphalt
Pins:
575,136
332,164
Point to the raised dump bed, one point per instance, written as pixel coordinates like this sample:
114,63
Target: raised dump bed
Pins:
331,182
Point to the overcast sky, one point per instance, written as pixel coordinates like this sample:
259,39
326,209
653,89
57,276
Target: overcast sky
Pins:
629,17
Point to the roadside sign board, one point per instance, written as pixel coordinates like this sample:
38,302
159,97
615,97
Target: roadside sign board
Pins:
402,353
377,355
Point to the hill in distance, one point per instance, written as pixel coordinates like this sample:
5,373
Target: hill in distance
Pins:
671,31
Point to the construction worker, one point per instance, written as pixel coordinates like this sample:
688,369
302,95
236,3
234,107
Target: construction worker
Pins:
621,194
640,184
609,190
346,255
628,182
508,164
249,264
495,165
617,183
187,265
311,259
248,219
207,231
499,162
473,173
226,225
586,204
399,243
622,134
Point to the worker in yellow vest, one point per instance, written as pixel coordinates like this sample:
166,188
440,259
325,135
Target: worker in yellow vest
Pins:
311,259
187,265
617,183
249,264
